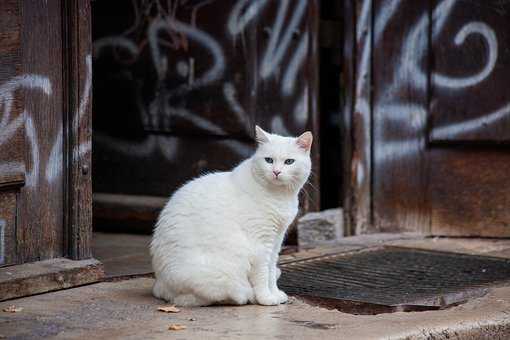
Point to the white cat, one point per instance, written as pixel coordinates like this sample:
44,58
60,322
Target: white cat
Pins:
217,239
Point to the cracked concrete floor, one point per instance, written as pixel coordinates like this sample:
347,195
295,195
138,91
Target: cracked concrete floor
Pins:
125,309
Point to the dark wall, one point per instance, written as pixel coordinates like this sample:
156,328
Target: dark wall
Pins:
330,89
178,91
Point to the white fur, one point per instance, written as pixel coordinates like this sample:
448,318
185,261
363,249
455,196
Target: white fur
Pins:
217,239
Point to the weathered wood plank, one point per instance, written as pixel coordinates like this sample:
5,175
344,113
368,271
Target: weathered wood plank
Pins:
12,136
45,276
471,52
78,103
470,193
400,94
360,156
10,32
8,228
40,219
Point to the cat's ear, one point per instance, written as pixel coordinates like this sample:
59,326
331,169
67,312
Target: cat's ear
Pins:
260,135
305,141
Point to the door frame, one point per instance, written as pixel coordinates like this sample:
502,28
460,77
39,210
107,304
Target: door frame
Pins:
77,82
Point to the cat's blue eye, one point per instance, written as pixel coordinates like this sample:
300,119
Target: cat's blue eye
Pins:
289,161
268,160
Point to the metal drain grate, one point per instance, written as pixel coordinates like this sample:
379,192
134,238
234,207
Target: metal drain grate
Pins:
392,279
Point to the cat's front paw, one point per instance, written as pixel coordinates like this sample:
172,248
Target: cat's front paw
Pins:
268,299
282,296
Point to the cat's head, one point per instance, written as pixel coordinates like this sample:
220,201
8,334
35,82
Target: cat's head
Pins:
282,162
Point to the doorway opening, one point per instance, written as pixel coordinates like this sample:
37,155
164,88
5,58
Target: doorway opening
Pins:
177,92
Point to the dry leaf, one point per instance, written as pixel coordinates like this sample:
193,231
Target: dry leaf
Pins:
176,327
13,309
169,309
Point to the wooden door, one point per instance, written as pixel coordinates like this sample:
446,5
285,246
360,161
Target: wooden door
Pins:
179,90
430,116
44,131
31,132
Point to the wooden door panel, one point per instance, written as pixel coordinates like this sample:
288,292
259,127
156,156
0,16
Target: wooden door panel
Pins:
400,97
40,229
438,107
10,31
12,122
469,192
31,131
470,53
8,245
12,137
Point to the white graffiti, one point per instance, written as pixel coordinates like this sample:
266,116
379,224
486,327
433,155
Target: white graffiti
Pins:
54,166
238,19
279,42
200,122
301,109
412,54
32,177
488,33
229,91
82,109
7,91
164,32
9,128
413,51
278,126
289,77
471,125
171,25
363,34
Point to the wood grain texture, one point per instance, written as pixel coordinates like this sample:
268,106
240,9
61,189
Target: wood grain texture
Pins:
400,94
10,34
12,136
12,128
437,107
470,192
41,214
360,179
8,228
78,101
471,52
45,276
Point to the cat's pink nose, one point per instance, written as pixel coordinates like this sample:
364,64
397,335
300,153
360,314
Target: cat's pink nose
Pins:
276,172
